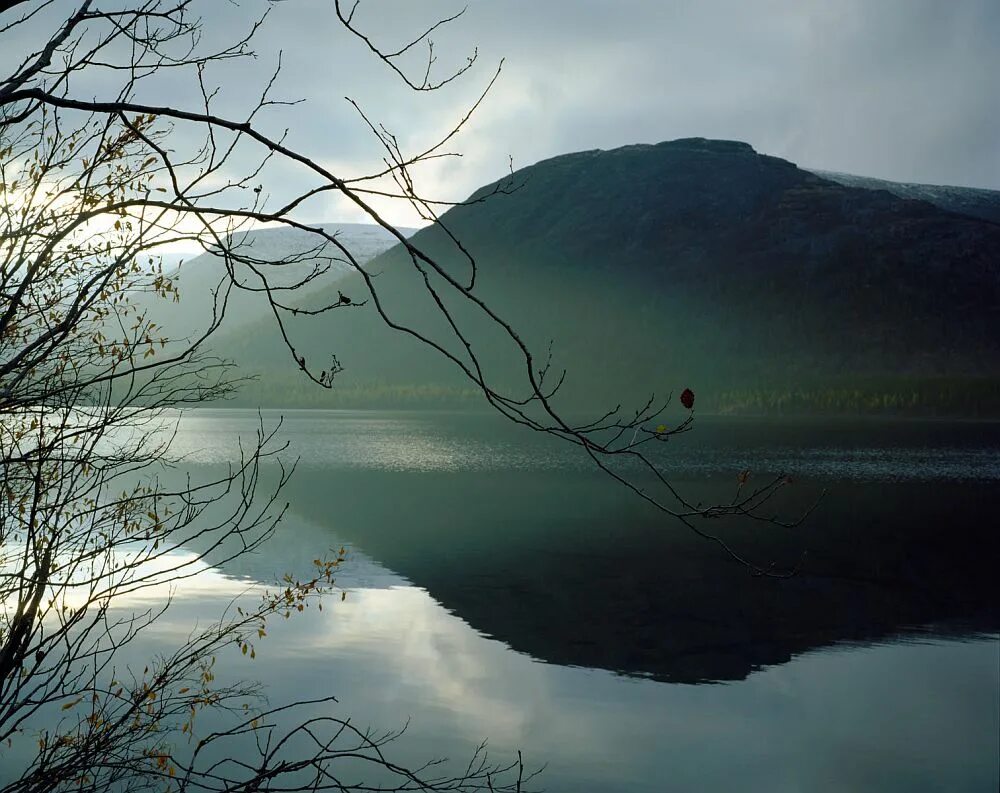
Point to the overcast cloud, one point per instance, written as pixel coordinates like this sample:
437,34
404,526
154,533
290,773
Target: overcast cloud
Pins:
898,89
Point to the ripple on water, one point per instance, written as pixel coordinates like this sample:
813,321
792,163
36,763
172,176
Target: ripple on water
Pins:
434,442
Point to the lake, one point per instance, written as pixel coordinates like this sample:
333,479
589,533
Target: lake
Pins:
500,588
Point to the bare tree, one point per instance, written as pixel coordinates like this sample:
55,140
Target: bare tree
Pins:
91,189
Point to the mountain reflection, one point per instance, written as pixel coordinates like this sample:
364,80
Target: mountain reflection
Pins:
564,566
566,570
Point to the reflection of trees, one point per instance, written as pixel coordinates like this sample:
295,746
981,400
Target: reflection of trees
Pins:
562,568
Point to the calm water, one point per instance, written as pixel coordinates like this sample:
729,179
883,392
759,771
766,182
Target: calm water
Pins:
499,588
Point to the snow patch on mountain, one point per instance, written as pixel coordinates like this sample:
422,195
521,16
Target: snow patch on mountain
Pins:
973,201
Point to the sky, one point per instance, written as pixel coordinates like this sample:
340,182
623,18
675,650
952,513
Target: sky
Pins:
896,89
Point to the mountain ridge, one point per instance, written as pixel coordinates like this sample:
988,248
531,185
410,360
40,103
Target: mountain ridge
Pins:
977,202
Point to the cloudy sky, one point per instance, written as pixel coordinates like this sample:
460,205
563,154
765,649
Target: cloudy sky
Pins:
898,89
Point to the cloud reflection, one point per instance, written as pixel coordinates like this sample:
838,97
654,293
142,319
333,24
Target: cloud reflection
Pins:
848,718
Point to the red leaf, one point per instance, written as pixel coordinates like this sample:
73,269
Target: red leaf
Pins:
687,398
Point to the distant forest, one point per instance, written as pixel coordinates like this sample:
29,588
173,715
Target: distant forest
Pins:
913,397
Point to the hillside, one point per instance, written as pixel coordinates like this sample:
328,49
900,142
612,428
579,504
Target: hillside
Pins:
692,262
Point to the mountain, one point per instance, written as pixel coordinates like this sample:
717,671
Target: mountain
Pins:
198,277
695,263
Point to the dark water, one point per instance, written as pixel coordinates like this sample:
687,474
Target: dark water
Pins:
500,588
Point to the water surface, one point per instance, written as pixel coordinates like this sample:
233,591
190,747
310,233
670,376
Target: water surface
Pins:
500,588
